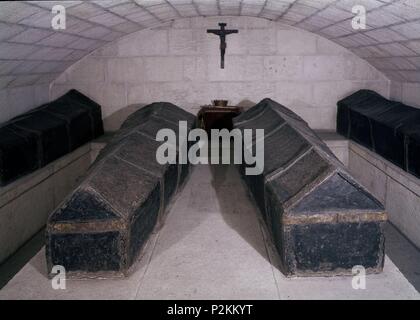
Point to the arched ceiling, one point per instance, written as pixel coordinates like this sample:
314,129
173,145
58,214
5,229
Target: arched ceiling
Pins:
31,52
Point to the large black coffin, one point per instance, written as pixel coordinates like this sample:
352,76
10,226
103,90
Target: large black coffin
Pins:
75,98
36,138
52,134
386,127
412,147
77,119
100,229
322,222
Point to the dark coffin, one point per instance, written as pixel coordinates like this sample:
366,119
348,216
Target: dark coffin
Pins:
78,121
360,112
343,116
359,98
19,153
386,127
52,134
389,132
322,222
36,138
412,147
100,229
74,97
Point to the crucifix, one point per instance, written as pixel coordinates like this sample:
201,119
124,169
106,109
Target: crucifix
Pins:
222,33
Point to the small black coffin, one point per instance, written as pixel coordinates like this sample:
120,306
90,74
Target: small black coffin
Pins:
386,127
36,138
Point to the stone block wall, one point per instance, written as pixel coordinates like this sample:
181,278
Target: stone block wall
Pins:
406,92
180,63
17,100
398,190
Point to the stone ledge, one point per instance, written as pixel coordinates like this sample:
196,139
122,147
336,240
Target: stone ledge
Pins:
379,175
26,203
399,190
15,189
406,179
337,143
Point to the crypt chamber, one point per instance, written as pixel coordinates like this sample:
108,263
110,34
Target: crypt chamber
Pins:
325,186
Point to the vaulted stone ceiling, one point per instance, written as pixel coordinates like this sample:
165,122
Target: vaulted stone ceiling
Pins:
31,52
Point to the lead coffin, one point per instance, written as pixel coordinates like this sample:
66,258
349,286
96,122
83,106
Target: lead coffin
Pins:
321,220
102,226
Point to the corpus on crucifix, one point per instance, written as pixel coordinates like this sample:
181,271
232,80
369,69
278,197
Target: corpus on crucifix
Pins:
222,33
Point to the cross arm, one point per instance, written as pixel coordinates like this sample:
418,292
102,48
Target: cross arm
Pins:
215,31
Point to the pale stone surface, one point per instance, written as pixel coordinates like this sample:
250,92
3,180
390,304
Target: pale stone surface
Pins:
291,93
147,43
325,67
15,101
322,118
27,202
397,189
182,42
327,93
403,207
7,31
262,43
337,144
411,94
16,50
163,69
296,42
212,246
25,216
195,68
283,68
373,179
31,36
124,70
246,68
89,70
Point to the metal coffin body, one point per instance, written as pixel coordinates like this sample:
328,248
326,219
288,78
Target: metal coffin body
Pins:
38,137
322,222
386,127
101,228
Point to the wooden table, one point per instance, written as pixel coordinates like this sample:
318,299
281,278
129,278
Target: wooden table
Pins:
210,117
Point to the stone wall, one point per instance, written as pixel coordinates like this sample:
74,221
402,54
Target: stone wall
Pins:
179,62
406,92
398,190
18,100
26,203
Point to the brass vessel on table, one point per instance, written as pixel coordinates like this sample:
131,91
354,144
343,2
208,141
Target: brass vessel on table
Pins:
220,103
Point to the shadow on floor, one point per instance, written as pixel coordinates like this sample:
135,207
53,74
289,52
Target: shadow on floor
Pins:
17,261
236,208
194,202
404,254
232,196
241,214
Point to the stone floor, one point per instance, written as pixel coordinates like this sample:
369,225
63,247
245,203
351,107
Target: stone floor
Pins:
213,246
